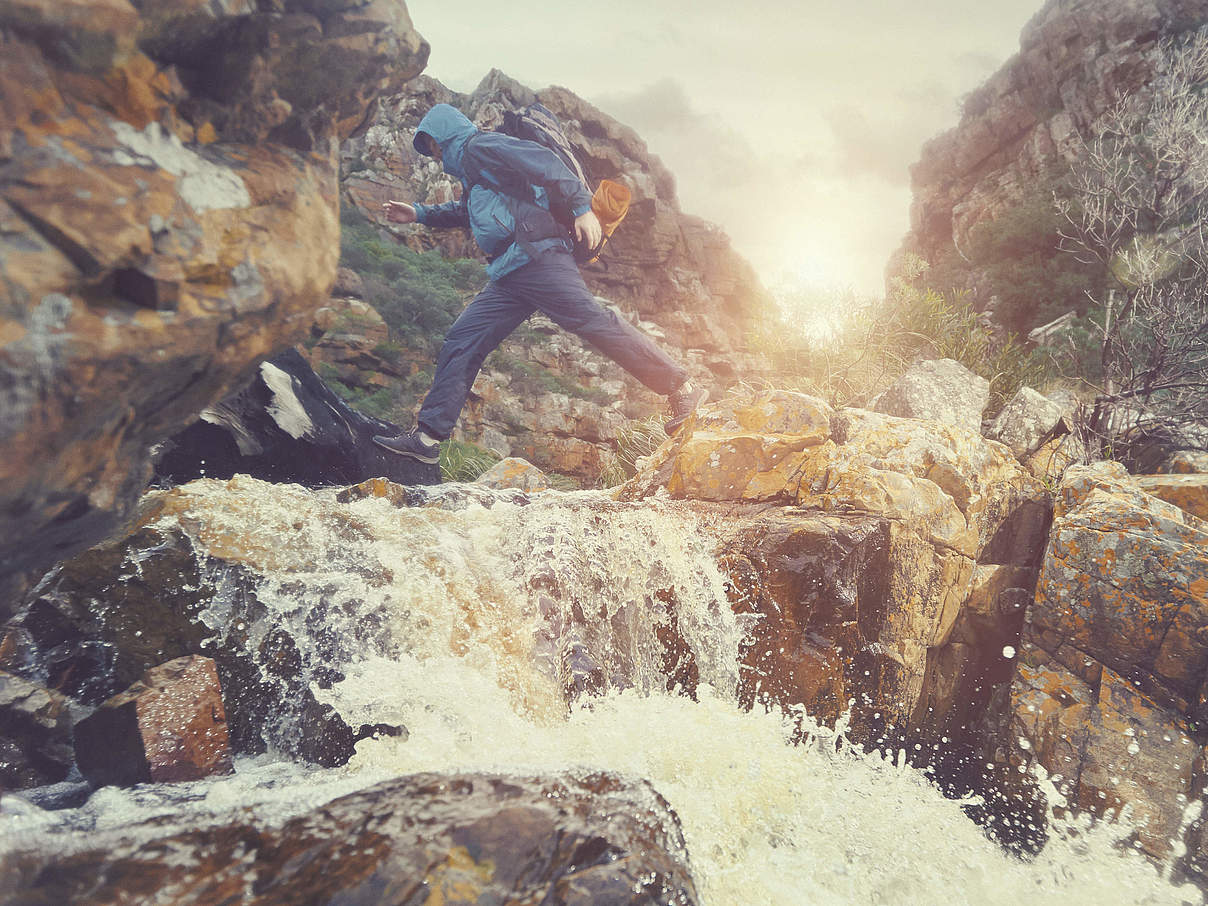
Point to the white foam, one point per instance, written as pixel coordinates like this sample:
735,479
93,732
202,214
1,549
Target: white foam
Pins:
469,654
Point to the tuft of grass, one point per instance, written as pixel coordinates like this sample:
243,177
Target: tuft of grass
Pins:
634,440
464,461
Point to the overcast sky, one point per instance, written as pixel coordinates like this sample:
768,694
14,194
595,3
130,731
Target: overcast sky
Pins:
791,124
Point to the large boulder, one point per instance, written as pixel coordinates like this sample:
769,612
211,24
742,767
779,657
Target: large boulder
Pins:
1110,693
1189,492
95,624
288,426
514,473
430,838
1186,462
943,390
1026,421
909,511
169,219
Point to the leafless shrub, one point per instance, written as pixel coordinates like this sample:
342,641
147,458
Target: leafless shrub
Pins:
1139,208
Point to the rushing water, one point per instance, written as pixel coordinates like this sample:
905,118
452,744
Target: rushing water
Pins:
471,627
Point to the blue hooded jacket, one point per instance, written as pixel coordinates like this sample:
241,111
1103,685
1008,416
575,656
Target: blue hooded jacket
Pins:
497,160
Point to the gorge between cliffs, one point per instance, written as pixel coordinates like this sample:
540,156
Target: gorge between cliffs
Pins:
906,646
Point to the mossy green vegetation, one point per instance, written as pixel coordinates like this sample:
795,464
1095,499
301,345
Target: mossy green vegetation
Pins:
418,294
528,376
1015,265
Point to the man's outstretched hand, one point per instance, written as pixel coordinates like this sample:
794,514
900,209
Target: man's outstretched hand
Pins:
400,212
588,229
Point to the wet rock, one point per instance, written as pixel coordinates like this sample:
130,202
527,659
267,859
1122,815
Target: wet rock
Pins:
890,562
1025,421
169,726
941,390
168,214
1110,746
428,838
97,623
1189,492
453,496
287,426
57,796
35,734
516,473
817,585
948,503
1110,692
1125,580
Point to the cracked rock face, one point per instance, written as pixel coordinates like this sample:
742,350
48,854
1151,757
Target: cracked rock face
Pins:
1020,128
168,218
1111,694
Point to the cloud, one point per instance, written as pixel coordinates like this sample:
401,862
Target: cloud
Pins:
868,149
696,145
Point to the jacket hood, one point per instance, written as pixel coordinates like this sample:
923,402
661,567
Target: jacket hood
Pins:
451,129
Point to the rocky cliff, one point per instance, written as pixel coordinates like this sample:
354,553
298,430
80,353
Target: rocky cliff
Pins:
168,201
983,190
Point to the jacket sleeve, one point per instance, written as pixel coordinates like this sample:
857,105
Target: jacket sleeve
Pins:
449,214
497,153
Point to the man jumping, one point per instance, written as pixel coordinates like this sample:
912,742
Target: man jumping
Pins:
510,187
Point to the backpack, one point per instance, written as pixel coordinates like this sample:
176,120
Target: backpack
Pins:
537,123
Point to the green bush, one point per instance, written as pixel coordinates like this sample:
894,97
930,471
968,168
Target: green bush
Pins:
1016,260
418,294
528,376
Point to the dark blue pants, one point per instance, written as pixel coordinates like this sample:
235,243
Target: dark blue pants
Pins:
553,286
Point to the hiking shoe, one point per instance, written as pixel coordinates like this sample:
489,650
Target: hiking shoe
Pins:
683,402
409,445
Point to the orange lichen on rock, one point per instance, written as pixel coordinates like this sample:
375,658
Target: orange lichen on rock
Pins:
1189,492
1123,602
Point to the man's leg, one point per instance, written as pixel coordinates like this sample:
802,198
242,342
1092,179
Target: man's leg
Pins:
555,286
482,326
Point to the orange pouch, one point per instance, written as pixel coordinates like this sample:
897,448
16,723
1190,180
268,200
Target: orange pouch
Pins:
610,205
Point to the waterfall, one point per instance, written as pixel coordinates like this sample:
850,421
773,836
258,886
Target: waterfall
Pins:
569,632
